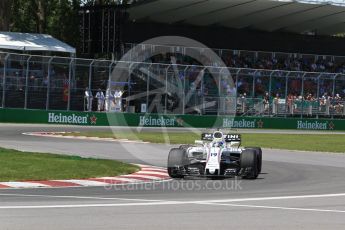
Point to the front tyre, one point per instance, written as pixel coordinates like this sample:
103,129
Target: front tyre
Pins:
176,162
249,164
259,154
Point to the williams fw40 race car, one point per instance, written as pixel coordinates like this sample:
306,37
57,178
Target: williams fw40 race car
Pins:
215,155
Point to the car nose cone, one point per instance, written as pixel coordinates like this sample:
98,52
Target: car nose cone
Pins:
212,171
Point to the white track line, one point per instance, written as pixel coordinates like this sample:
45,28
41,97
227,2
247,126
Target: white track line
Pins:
279,208
276,198
90,205
205,202
165,203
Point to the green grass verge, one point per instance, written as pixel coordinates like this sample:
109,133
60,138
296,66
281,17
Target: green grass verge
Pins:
20,166
306,142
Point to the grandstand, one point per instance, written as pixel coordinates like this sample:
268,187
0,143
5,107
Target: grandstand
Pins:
285,82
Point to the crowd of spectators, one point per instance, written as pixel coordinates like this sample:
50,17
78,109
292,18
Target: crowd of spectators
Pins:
251,59
253,84
286,63
256,61
293,104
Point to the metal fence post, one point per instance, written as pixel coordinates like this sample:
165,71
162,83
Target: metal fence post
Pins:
333,89
202,92
110,74
90,73
219,90
129,85
222,98
166,90
318,90
287,84
184,90
270,92
148,88
236,90
254,78
286,90
270,83
69,85
302,94
4,82
48,83
318,86
27,82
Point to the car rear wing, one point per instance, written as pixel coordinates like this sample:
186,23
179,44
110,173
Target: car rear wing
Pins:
226,137
232,138
207,136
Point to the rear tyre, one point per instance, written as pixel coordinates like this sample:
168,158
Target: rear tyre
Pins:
259,154
176,161
249,161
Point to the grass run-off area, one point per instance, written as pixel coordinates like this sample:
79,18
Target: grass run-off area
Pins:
20,166
307,142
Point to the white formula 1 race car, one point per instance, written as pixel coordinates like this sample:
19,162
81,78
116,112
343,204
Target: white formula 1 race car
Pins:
216,154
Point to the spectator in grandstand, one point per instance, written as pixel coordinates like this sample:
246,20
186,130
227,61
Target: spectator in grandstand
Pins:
118,99
323,99
309,100
241,101
325,103
45,82
337,97
109,99
266,101
33,82
100,100
290,103
339,104
275,104
230,91
246,59
88,97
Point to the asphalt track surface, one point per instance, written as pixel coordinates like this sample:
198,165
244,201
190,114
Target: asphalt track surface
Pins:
300,190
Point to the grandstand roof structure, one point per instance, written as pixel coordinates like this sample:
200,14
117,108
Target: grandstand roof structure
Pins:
296,16
33,42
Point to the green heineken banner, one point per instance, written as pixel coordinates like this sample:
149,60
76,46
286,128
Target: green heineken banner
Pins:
155,120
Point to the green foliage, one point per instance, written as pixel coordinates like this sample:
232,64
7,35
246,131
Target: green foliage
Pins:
326,142
58,18
100,2
18,166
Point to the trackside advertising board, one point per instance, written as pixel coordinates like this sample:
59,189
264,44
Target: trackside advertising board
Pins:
154,120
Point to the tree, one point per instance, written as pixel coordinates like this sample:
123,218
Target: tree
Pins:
63,22
41,18
5,11
58,18
30,15
102,2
